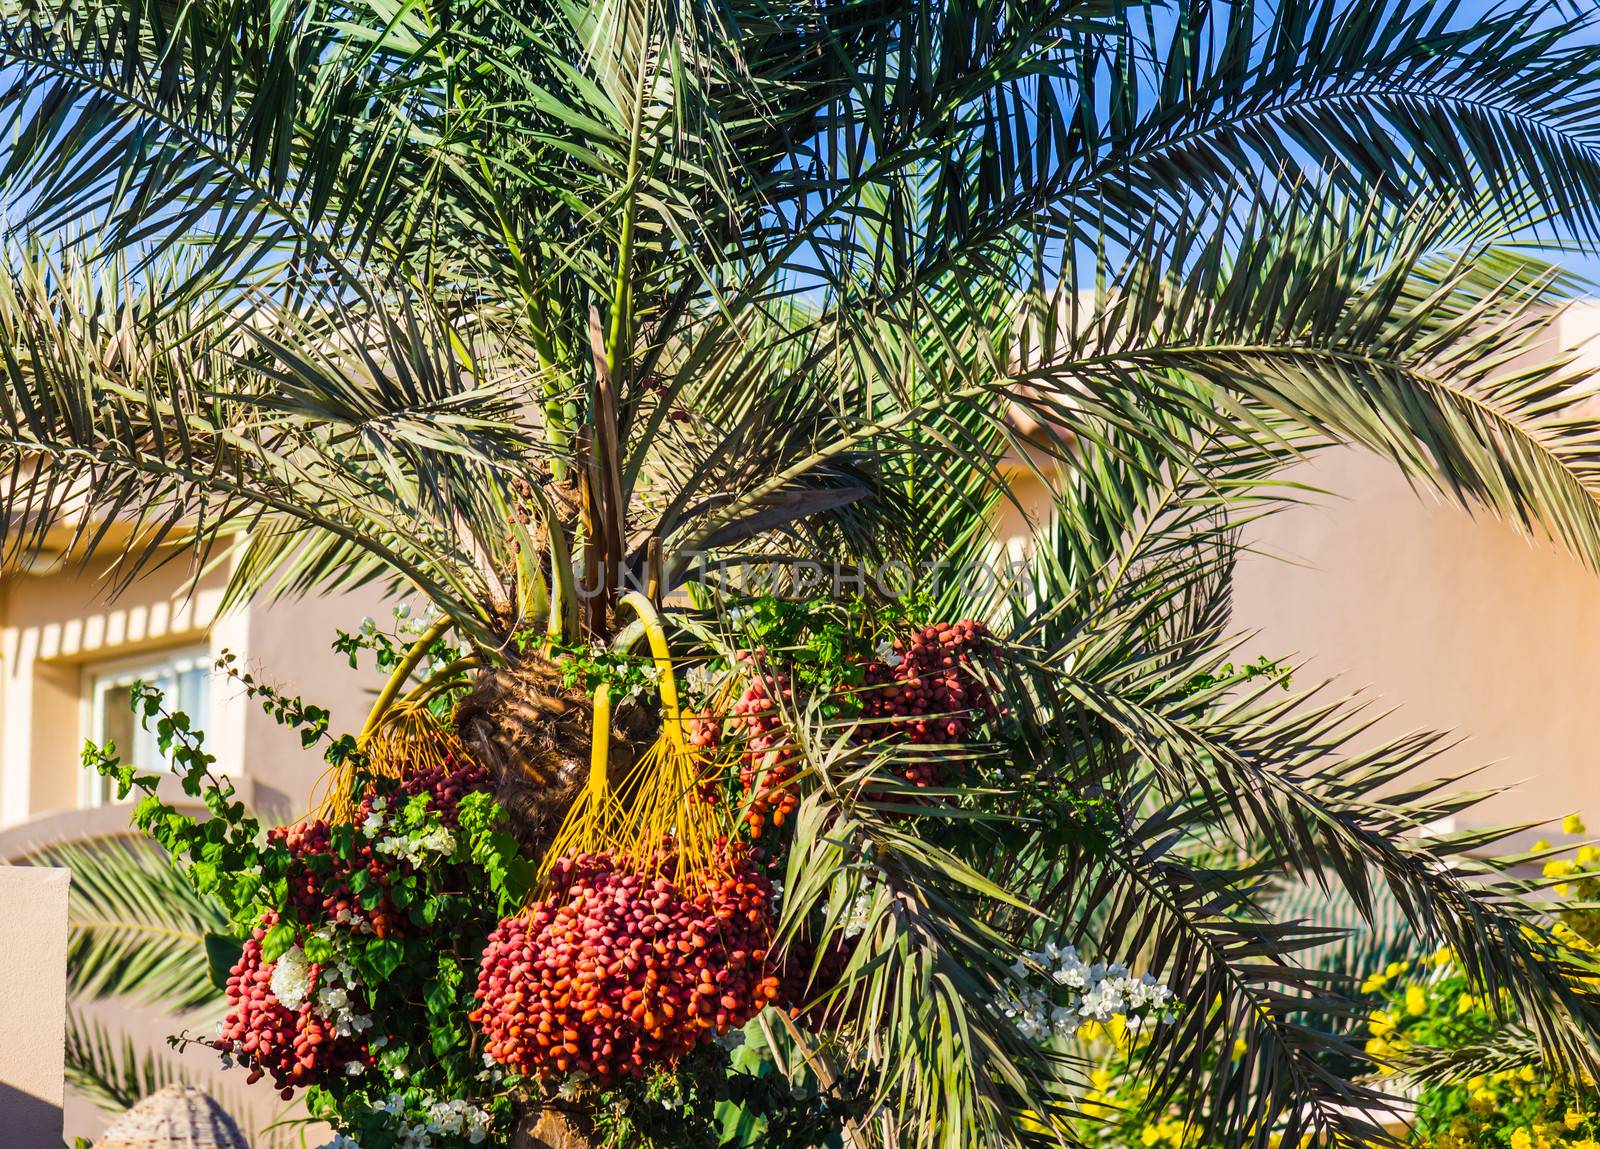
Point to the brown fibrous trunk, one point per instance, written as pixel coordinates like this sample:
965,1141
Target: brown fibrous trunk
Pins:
534,734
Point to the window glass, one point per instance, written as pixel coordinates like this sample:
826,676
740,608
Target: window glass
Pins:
184,678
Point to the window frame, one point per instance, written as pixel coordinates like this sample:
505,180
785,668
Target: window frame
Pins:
102,676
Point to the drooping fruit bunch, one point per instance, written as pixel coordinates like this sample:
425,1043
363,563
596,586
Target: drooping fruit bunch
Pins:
925,688
617,970
930,691
320,879
768,763
296,1047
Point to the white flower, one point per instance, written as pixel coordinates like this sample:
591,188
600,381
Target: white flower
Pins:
415,848
291,978
859,916
887,654
354,1068
699,680
1060,992
340,1141
457,1118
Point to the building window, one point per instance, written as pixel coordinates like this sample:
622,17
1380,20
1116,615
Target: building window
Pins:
182,676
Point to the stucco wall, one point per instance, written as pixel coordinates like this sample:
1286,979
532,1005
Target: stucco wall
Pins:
289,646
1461,622
33,952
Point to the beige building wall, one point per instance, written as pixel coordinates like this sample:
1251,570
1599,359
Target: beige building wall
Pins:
1454,619
61,627
33,952
1459,621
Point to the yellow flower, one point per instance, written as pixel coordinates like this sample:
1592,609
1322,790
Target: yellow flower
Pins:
1465,1003
1520,1139
1586,1143
1150,1136
1573,824
1558,868
1240,1048
1476,1083
1374,983
1588,855
1444,956
1101,1080
1573,1119
1380,1023
1526,1073
1396,968
1482,1103
1541,844
1416,1000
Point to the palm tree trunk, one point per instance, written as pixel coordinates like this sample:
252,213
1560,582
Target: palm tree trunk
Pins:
551,1129
533,735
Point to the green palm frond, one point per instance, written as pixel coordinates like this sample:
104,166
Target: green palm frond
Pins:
197,429
137,928
114,1074
1406,331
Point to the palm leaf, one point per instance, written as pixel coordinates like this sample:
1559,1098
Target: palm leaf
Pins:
136,927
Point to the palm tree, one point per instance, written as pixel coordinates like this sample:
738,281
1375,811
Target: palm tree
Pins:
517,305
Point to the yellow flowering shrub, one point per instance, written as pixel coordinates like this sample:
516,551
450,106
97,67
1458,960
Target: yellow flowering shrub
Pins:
1430,1003
1427,1001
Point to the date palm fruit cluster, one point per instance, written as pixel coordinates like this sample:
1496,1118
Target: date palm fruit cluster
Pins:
619,968
296,1047
932,691
929,690
768,762
320,891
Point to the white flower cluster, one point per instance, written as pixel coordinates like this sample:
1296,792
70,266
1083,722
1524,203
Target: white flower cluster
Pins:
1060,992
699,681
440,1119
332,1000
415,848
859,916
372,824
291,979
340,1141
